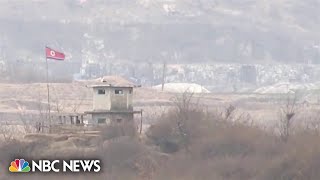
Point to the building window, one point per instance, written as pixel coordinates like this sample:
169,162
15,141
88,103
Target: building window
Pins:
102,121
119,120
118,91
101,91
130,91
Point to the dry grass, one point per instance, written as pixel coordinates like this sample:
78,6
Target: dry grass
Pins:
237,151
186,143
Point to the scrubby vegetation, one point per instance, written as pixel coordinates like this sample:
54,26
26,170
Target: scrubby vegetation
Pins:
189,143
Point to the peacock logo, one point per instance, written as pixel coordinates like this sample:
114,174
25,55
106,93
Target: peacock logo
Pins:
19,165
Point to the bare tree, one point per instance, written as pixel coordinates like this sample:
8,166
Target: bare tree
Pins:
6,132
287,114
23,118
78,102
59,107
229,112
184,111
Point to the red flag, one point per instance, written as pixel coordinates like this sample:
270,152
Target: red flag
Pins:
53,54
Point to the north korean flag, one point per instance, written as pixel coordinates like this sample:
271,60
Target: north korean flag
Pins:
53,54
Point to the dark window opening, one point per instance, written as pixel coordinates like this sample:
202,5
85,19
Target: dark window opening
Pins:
130,91
77,120
102,121
118,91
119,120
101,91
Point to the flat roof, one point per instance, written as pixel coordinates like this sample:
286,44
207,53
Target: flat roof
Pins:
110,86
68,114
112,112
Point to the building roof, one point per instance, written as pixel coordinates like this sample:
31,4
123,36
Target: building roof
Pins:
112,112
110,86
112,81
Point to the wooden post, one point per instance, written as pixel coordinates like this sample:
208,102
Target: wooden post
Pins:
163,75
141,122
71,119
82,119
77,120
60,119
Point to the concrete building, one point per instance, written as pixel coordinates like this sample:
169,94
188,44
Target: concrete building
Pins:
112,104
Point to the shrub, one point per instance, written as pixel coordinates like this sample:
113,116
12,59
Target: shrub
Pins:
118,130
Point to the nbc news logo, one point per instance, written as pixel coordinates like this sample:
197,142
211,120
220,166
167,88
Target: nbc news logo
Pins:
19,165
45,166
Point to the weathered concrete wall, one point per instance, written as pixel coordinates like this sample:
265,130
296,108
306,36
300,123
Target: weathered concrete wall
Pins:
110,101
121,102
101,101
111,118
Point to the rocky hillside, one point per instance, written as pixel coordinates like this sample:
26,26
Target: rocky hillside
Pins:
156,30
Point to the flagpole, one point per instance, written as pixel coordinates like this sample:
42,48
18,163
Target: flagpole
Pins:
48,91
